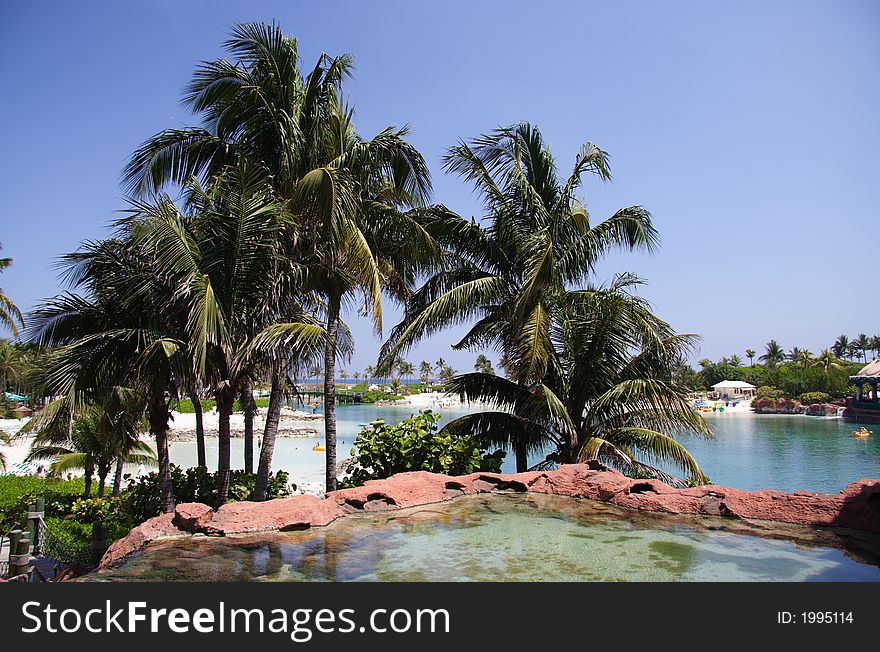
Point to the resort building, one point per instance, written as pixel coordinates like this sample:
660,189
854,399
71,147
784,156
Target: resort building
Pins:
866,403
734,389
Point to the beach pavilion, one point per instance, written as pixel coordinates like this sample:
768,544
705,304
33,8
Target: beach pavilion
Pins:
735,389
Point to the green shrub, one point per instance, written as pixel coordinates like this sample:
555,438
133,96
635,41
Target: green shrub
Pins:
768,391
196,485
415,445
809,398
17,492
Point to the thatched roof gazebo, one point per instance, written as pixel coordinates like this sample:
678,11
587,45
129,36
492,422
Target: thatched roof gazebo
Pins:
865,405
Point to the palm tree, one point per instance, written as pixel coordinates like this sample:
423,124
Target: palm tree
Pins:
852,350
343,191
118,327
10,315
794,354
735,361
750,354
804,357
447,374
863,342
369,373
8,364
483,365
425,371
356,375
874,345
406,369
704,362
773,354
607,393
840,346
343,373
4,440
226,256
827,360
97,437
508,271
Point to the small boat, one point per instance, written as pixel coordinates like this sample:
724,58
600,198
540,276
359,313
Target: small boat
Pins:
319,448
862,432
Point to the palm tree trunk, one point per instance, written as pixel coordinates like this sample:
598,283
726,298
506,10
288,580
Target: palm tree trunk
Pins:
225,403
90,471
273,415
200,428
157,413
103,470
330,392
117,478
522,457
249,407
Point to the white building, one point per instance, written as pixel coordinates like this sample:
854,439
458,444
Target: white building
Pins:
734,389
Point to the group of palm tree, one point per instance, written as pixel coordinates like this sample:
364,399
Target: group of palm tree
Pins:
843,347
589,368
774,355
285,215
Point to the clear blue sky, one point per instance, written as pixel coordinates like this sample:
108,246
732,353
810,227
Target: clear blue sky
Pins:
750,130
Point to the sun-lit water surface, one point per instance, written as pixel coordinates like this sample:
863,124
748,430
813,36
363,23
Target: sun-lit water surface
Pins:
514,538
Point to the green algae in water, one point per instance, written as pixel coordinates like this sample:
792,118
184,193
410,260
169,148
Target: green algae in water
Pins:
523,537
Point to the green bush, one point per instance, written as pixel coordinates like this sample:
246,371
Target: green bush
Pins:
415,445
17,492
809,398
196,485
768,391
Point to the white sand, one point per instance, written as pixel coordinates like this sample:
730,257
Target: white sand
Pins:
18,450
439,400
211,420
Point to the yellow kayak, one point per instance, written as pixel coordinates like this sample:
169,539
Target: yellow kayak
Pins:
862,432
318,448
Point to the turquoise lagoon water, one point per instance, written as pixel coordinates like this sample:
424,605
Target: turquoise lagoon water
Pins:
514,538
786,452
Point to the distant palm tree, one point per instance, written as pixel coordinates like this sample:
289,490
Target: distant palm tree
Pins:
483,365
406,369
840,346
804,358
735,361
447,374
10,315
369,372
874,345
774,354
852,350
794,354
705,362
440,365
864,343
425,371
316,371
750,354
356,375
343,373
827,361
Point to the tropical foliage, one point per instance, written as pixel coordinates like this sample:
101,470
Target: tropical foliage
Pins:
415,444
511,273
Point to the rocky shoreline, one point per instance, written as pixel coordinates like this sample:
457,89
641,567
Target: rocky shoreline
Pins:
856,507
793,406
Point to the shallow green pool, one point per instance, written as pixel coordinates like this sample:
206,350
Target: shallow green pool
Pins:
516,538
